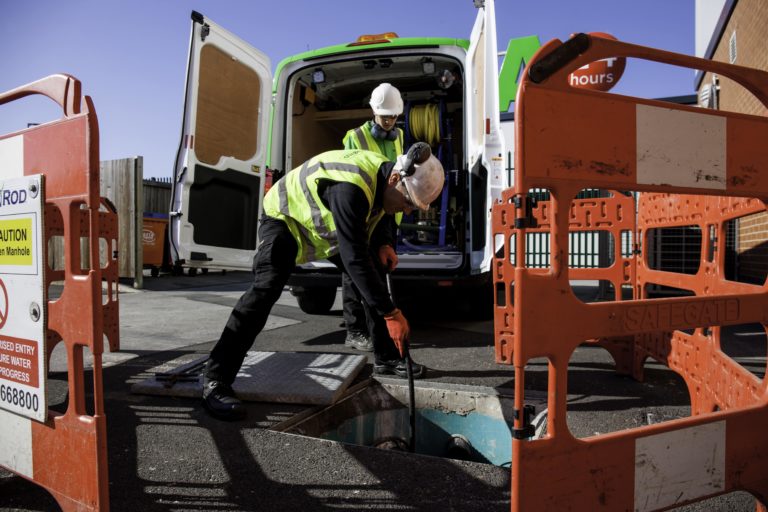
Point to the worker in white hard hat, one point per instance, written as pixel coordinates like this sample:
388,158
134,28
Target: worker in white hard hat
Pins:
381,136
327,208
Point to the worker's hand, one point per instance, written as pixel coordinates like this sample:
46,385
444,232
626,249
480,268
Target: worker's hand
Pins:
398,328
388,257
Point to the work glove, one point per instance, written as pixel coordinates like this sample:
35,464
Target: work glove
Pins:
398,328
388,257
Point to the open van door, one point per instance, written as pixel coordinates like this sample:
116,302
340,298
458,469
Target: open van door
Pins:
219,175
485,143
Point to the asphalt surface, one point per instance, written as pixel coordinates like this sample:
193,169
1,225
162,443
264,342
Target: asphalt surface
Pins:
166,454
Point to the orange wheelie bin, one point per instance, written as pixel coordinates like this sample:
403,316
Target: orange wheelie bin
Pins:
153,239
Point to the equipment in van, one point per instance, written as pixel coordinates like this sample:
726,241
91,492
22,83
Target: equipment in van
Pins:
239,134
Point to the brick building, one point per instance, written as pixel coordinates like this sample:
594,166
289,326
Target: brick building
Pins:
736,31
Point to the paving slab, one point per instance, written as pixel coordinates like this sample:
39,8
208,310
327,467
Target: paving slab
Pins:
311,378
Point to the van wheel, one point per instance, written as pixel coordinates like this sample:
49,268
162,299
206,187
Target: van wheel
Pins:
482,308
480,303
316,300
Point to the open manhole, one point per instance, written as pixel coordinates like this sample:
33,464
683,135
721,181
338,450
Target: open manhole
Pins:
460,422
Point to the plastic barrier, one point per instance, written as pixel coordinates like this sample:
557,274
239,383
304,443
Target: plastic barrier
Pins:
568,140
67,453
589,219
728,384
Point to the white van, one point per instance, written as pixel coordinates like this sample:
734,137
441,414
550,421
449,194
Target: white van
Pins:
237,136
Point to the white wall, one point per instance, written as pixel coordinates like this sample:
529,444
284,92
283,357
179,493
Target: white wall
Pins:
707,14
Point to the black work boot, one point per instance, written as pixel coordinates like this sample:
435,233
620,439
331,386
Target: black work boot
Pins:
359,341
399,368
220,401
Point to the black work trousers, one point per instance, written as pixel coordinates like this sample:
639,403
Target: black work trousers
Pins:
272,266
352,306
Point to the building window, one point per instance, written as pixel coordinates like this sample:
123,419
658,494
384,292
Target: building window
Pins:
732,48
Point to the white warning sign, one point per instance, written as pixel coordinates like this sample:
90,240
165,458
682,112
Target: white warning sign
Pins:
22,298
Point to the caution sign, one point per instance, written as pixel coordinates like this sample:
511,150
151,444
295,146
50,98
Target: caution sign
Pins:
15,244
22,298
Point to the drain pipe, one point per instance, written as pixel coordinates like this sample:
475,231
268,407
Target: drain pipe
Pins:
459,447
409,371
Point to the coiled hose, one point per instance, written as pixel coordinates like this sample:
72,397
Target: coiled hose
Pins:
424,121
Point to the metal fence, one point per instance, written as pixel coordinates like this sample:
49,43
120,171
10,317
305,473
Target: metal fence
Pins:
157,195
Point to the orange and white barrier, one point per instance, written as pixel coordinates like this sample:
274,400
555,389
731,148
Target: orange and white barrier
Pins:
589,219
568,140
65,453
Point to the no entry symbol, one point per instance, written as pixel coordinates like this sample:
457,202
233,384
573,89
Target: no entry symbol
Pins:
3,304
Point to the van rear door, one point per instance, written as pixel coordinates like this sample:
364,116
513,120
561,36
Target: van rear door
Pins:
485,143
219,174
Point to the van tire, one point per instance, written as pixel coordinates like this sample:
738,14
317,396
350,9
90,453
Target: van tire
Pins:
480,305
316,300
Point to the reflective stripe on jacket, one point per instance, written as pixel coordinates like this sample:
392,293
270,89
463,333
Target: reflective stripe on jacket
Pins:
295,199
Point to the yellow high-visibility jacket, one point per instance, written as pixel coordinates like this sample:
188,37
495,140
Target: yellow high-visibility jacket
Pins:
295,200
362,138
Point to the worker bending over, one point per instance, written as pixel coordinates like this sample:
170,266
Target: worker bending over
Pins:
380,136
328,208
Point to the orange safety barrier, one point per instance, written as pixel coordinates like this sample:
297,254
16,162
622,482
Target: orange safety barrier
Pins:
728,384
613,215
571,139
67,453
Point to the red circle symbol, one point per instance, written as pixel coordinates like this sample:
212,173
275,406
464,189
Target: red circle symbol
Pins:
600,75
3,304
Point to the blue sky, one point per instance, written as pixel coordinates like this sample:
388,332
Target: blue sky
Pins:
131,55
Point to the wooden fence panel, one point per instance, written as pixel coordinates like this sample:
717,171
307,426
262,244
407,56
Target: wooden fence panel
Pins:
120,181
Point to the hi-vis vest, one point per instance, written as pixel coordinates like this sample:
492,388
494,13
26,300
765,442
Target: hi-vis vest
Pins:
362,138
294,199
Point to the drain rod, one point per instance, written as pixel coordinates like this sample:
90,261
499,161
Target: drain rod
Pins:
409,371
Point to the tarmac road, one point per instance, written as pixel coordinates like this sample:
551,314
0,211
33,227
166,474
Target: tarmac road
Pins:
166,454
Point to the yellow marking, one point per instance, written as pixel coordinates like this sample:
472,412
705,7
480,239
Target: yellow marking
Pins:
16,242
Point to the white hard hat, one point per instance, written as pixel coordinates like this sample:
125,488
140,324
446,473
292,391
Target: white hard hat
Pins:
426,182
386,100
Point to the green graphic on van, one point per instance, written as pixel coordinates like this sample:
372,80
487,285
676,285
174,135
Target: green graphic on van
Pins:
519,51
